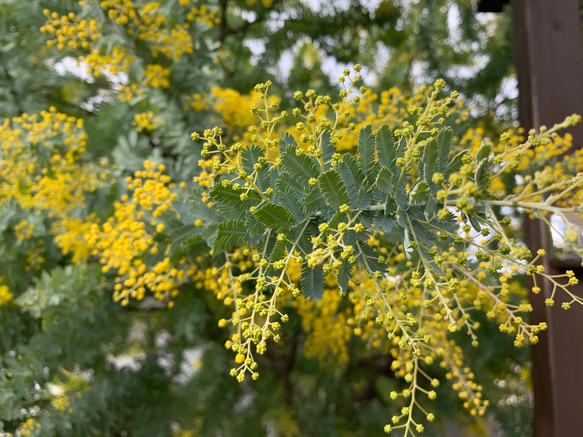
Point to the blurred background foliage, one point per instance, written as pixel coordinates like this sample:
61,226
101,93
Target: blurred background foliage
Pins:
73,362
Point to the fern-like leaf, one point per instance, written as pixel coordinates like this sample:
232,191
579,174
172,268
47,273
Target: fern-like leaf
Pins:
250,156
444,138
366,150
429,160
349,181
343,276
312,282
302,167
327,149
385,145
333,189
455,164
230,233
313,202
276,217
285,141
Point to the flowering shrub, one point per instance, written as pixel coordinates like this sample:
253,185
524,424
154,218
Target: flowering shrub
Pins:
409,227
377,231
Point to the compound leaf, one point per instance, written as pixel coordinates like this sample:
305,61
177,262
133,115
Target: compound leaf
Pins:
327,149
250,156
276,217
301,167
366,149
230,233
312,282
385,145
444,138
333,189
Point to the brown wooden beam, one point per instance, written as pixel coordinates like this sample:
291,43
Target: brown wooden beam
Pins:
549,65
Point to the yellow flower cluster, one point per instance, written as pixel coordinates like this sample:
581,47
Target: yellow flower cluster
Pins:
234,106
42,170
152,28
411,309
120,11
266,3
207,174
128,91
35,257
234,110
24,230
197,101
125,238
326,325
118,61
148,23
71,31
70,234
157,76
5,295
61,402
29,427
202,15
145,121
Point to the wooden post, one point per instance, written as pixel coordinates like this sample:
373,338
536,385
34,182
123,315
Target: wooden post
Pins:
549,65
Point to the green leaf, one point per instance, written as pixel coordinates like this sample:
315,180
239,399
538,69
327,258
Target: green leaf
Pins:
196,245
418,194
365,198
312,282
285,141
407,244
313,202
449,224
455,164
336,219
384,182
343,276
354,168
179,235
355,180
232,198
369,258
400,152
230,233
475,223
482,175
286,180
278,250
483,152
276,217
429,160
401,217
197,209
348,179
327,149
303,168
401,197
288,198
333,189
385,223
250,156
430,208
59,288
444,138
305,239
425,234
366,149
385,145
